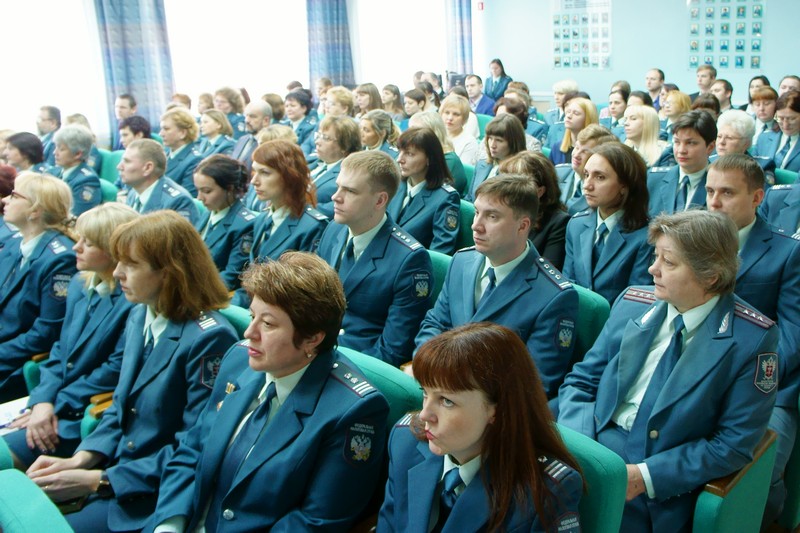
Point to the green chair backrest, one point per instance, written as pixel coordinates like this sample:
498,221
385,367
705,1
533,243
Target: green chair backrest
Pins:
785,177
239,317
483,120
6,461
401,390
539,116
441,264
157,137
109,172
469,173
790,518
606,479
88,422
467,215
109,191
546,151
593,312
31,374
25,508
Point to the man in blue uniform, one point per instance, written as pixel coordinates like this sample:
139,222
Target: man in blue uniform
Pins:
682,187
653,81
706,76
142,169
73,144
124,108
257,115
502,279
478,102
48,122
386,273
768,279
781,207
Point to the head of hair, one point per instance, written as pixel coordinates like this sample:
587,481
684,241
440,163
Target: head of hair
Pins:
245,96
348,136
98,223
425,140
77,139
129,98
660,73
670,87
184,99
519,85
228,173
434,122
499,63
596,132
150,150
622,84
763,79
80,119
430,95
708,68
518,94
51,196
302,98
726,84
764,93
513,107
29,146
233,97
7,175
276,103
506,127
183,120
276,131
700,121
575,94
590,117
751,171
220,118
474,77
288,160
460,90
136,124
622,93
708,102
468,358
342,96
324,81
643,96
565,86
682,102
207,99
306,288
168,242
789,100
540,169
517,191
457,103
381,170
648,144
383,125
374,95
741,122
631,172
397,102
707,241
415,94
53,113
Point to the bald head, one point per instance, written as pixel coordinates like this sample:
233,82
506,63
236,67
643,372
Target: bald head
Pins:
257,115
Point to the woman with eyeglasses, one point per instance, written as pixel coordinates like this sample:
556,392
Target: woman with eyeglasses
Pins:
336,138
782,147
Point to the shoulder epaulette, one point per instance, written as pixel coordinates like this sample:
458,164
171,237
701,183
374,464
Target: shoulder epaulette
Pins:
782,187
196,151
245,343
562,165
405,421
247,214
582,213
403,237
782,233
86,172
660,169
448,187
554,275
640,295
467,249
172,191
536,120
752,316
554,468
57,248
206,321
316,214
351,379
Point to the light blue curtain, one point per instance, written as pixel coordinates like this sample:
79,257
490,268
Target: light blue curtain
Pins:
329,51
136,57
459,31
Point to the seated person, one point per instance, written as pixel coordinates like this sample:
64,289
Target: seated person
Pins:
35,269
7,176
257,116
483,453
87,358
675,104
386,273
24,152
516,107
434,122
227,226
305,405
617,104
231,102
505,137
379,132
579,113
782,147
735,130
549,230
174,341
179,133
73,144
677,382
478,102
641,133
570,175
426,205
337,138
93,160
48,122
133,128
504,280
298,106
142,169
455,113
217,134
607,247
764,103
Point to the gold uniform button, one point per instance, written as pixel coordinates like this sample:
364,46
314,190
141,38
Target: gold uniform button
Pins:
227,514
653,434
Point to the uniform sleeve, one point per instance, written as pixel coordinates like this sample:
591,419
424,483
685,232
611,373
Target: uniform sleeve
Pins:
789,317
446,224
552,339
639,272
571,248
86,194
438,318
184,206
386,517
566,495
241,245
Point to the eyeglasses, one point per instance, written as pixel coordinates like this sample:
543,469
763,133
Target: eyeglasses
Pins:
15,194
726,138
322,137
787,120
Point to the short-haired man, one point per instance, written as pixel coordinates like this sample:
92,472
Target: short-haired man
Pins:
73,144
257,115
681,187
653,81
48,122
124,107
503,279
706,75
132,128
386,273
478,102
789,83
142,169
723,90
769,279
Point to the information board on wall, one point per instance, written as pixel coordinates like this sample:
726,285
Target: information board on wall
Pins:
581,34
725,33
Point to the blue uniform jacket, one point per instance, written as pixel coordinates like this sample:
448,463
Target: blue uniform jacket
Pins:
555,135
181,167
155,403
315,466
624,261
537,129
431,217
169,195
495,90
662,186
769,280
714,407
33,302
552,116
49,148
223,145
85,186
243,150
414,474
326,187
87,358
767,146
781,207
482,170
305,134
386,148
485,106
618,130
387,291
230,241
535,301
301,234
238,124
7,231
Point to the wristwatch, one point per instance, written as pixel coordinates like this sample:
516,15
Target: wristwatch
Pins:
104,488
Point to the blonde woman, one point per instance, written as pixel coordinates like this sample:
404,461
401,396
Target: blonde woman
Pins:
217,134
641,132
578,113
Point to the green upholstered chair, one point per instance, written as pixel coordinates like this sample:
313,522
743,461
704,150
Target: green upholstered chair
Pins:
736,502
441,264
606,479
108,191
790,518
483,120
156,137
239,317
5,460
401,390
593,312
546,151
785,177
25,508
469,172
31,372
108,171
467,215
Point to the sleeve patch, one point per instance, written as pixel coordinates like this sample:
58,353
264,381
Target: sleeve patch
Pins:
565,332
60,285
209,370
358,443
569,522
86,194
452,218
247,243
422,285
766,379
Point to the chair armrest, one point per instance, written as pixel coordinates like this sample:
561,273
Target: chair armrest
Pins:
98,410
102,397
39,357
722,486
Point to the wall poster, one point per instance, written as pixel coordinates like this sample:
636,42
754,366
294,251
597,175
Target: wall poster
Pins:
581,34
725,33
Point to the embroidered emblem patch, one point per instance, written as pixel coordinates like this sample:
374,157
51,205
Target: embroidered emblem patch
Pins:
60,285
452,218
766,372
565,333
247,243
209,370
422,284
358,443
86,194
569,522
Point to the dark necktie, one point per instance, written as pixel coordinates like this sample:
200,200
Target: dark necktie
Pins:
490,287
600,243
264,237
639,431
683,195
780,156
148,346
448,497
348,260
236,455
